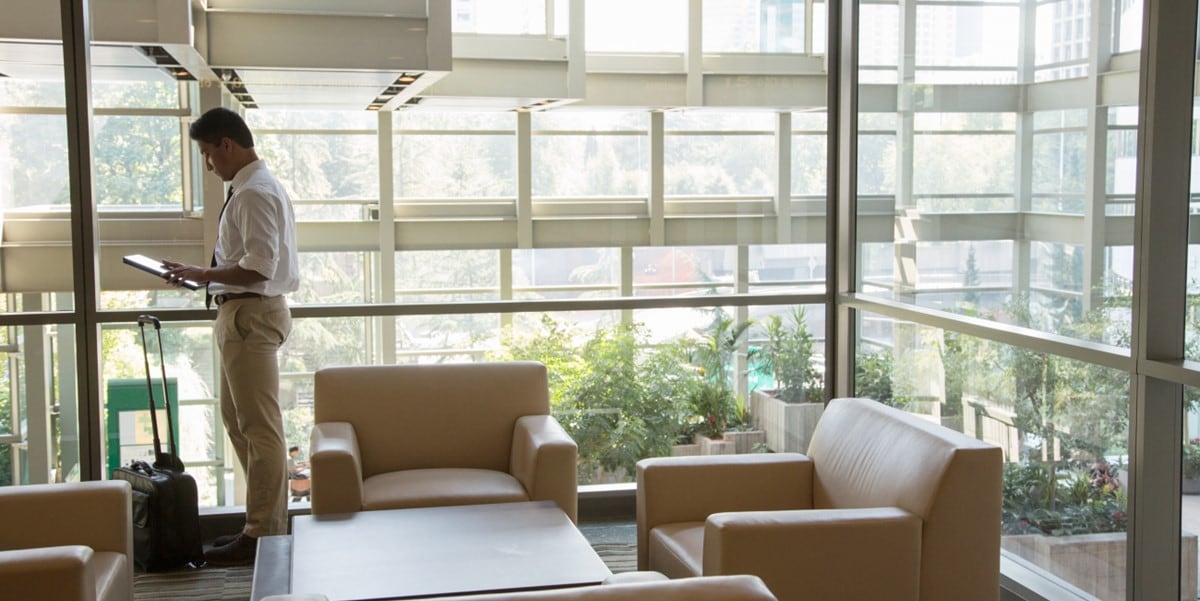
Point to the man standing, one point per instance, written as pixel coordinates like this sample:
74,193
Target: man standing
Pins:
254,265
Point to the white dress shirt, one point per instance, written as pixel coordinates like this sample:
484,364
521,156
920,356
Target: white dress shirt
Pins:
258,232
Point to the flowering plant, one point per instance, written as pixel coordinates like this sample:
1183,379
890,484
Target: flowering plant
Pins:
1191,459
1059,500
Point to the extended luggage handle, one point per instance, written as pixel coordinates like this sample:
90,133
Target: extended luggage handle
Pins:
171,459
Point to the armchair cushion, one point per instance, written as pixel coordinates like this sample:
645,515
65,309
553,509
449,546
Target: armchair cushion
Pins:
872,553
445,486
677,549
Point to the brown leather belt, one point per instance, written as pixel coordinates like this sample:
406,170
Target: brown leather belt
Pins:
222,298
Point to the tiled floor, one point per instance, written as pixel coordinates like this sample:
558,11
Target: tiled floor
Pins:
609,533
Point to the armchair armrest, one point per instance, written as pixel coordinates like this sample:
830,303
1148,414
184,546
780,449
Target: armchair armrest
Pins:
59,572
689,489
820,553
544,459
336,467
93,514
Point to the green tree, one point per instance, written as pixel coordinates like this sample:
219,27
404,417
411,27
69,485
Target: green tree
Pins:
620,399
788,354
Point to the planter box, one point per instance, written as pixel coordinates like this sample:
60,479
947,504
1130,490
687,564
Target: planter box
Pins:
788,426
744,441
685,450
716,446
1094,563
1191,486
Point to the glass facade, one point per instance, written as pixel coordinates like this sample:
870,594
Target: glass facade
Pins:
670,221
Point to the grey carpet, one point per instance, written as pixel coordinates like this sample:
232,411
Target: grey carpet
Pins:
233,584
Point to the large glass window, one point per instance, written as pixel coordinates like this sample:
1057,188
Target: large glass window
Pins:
511,17
776,26
454,155
660,26
591,154
1063,426
718,154
940,174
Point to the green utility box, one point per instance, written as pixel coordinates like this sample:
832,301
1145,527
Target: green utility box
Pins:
129,434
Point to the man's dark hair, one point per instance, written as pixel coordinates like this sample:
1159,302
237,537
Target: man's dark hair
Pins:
293,448
221,123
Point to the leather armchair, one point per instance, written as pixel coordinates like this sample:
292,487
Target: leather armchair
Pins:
397,436
885,506
67,542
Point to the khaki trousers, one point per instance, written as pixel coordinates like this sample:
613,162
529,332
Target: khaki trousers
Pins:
249,333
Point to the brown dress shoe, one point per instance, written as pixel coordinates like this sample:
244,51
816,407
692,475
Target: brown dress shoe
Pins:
225,539
239,552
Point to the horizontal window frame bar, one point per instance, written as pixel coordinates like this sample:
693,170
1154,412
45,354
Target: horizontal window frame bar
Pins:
1064,346
98,112
486,307
454,132
314,132
964,132
585,132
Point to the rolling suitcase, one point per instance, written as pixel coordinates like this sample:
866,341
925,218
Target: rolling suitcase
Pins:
166,518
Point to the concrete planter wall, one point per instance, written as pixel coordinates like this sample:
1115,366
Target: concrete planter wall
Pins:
788,426
1095,563
732,443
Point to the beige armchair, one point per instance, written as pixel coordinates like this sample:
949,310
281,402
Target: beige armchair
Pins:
885,506
65,542
396,436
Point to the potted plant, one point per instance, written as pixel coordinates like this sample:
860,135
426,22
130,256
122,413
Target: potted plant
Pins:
1191,467
719,426
789,413
712,402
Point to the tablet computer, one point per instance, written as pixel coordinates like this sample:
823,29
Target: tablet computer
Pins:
156,267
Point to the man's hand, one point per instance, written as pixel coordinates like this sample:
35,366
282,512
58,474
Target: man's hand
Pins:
178,272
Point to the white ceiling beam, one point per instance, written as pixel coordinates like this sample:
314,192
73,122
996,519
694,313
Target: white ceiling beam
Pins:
379,8
288,41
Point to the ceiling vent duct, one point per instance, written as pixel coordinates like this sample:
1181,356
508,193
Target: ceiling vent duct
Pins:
309,54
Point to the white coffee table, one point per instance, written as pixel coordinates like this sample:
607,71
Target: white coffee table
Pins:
428,552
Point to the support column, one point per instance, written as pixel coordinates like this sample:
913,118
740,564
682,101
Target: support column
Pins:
906,335
904,241
693,57
783,177
841,237
626,276
657,203
1165,98
39,398
524,179
386,266
1023,174
740,360
77,73
1095,190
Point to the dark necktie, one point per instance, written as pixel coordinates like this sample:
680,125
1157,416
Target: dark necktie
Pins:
208,297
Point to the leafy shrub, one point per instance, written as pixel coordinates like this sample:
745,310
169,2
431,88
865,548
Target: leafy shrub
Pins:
1191,459
712,402
1058,501
788,354
620,398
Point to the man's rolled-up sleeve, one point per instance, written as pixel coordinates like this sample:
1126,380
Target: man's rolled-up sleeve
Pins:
260,235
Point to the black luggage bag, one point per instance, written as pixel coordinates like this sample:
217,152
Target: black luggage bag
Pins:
166,517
